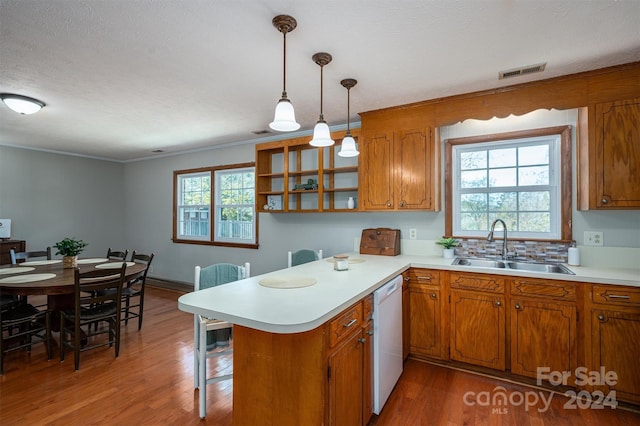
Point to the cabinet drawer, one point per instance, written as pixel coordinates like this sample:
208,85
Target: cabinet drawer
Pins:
625,296
543,288
424,276
479,282
348,321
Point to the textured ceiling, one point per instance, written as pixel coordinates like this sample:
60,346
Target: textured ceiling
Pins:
124,78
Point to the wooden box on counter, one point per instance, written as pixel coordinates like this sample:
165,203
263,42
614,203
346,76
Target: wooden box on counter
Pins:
382,241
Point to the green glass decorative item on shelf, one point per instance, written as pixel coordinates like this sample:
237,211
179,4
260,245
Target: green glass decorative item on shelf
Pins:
311,184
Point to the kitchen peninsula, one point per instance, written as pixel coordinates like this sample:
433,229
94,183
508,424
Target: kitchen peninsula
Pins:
289,345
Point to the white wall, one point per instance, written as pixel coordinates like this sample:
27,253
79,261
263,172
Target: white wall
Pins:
621,227
50,196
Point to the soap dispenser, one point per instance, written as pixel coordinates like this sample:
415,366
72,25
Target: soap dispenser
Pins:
574,255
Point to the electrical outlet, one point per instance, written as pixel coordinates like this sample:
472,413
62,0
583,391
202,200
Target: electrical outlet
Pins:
593,238
413,234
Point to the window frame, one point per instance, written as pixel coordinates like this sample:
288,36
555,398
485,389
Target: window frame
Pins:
210,240
564,186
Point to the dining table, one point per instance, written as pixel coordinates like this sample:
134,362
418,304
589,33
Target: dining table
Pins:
48,277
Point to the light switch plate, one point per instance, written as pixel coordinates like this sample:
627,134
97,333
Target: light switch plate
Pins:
593,238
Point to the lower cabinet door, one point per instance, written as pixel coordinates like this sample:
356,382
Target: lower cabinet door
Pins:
478,328
543,334
346,382
425,336
615,347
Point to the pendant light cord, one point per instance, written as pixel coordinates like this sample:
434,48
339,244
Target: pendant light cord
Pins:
284,66
348,110
321,91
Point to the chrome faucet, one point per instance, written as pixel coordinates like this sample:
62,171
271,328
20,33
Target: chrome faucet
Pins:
504,241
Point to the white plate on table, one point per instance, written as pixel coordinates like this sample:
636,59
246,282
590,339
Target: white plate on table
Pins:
113,265
92,260
41,262
17,270
26,278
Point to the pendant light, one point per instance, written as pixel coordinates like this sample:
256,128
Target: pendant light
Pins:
22,104
348,143
284,119
321,134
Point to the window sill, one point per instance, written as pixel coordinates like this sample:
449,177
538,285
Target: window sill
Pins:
215,243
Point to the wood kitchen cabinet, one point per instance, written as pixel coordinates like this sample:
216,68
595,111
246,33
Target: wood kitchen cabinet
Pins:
543,326
400,161
406,314
5,248
478,329
319,377
427,307
609,160
612,334
281,165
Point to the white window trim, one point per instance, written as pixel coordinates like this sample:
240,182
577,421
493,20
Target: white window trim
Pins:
554,186
217,206
179,235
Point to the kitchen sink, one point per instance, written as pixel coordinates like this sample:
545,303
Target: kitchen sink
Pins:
552,268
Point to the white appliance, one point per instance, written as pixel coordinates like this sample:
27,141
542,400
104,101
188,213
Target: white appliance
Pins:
387,340
5,228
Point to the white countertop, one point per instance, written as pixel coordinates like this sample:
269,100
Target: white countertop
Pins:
294,310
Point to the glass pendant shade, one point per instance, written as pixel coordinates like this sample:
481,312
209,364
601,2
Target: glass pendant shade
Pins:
22,104
321,135
284,119
348,147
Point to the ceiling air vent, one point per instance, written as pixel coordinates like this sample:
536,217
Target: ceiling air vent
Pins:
260,132
529,69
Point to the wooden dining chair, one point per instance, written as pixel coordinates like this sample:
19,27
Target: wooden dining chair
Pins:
117,254
22,325
134,290
302,256
25,255
217,332
97,300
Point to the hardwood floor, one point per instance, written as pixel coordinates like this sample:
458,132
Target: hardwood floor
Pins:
151,383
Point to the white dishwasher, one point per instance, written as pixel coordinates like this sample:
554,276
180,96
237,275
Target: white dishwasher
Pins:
387,340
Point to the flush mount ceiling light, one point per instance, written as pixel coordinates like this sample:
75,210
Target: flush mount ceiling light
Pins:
22,104
284,119
321,134
348,143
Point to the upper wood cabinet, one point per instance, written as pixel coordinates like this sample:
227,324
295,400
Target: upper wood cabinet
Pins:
609,161
400,161
283,166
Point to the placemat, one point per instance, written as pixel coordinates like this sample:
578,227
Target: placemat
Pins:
287,282
92,260
113,265
17,270
26,278
40,262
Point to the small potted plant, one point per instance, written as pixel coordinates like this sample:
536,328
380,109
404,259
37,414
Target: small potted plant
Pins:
70,248
448,244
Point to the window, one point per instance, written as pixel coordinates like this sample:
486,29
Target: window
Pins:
520,177
216,206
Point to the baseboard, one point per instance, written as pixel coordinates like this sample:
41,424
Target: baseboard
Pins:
169,285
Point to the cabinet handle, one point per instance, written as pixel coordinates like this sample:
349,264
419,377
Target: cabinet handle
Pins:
617,296
424,278
433,295
388,203
517,306
402,203
407,279
362,340
350,323
370,332
601,317
498,303
605,201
